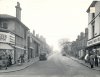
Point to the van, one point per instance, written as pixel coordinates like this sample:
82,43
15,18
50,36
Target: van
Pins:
43,56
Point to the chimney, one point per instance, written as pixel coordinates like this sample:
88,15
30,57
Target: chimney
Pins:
33,32
18,11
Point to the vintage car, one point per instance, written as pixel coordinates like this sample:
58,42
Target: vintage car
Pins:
64,54
43,56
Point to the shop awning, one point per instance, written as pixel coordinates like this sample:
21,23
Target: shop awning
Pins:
20,47
5,46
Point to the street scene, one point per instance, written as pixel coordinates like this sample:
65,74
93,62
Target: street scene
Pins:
56,66
49,38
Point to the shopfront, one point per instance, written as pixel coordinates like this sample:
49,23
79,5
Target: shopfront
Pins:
7,40
94,44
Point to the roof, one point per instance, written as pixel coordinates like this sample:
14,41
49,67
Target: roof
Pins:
6,16
92,5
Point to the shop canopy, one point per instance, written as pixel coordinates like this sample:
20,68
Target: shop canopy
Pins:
5,46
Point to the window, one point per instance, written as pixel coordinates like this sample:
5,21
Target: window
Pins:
4,25
0,25
93,15
25,34
93,29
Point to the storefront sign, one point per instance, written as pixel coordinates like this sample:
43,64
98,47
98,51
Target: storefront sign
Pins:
93,41
7,38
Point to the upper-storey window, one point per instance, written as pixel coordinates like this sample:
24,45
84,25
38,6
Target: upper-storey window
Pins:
0,25
93,15
3,25
93,29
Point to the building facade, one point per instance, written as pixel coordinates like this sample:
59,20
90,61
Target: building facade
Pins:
94,27
33,46
13,35
78,47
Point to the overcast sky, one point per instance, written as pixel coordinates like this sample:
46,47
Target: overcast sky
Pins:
54,19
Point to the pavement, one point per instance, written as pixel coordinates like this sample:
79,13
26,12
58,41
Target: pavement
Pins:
85,64
17,67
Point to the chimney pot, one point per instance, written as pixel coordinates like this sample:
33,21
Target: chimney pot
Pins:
18,11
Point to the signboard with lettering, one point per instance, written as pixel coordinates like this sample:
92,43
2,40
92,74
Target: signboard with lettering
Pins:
93,41
7,38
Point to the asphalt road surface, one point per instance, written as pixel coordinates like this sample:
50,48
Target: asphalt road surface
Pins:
56,66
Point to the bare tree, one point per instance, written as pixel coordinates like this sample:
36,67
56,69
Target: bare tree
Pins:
63,44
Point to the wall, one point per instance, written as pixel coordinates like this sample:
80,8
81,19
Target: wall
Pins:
97,20
90,31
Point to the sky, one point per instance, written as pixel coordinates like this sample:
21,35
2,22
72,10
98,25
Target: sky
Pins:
54,19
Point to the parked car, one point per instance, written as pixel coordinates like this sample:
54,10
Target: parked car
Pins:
43,56
64,54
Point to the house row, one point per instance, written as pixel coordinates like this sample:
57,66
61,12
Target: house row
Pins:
78,47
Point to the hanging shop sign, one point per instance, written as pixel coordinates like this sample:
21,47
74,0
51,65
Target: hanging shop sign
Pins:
7,38
93,41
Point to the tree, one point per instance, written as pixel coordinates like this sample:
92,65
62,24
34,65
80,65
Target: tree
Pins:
64,45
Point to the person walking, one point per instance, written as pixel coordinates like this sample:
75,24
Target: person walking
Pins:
9,60
92,61
22,58
96,60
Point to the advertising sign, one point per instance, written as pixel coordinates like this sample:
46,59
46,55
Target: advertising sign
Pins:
93,41
7,38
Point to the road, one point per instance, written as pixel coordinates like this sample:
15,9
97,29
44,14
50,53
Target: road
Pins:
56,66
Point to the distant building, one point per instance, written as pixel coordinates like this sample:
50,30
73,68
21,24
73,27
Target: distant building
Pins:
33,46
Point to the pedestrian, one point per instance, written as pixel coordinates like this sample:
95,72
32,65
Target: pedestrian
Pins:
96,60
92,61
22,58
9,60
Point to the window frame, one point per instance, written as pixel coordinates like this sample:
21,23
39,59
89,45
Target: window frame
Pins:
2,25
